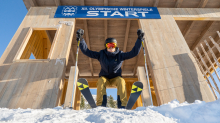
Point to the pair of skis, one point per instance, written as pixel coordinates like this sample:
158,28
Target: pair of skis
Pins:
84,88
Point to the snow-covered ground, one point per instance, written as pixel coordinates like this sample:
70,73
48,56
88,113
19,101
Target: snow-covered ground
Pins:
197,112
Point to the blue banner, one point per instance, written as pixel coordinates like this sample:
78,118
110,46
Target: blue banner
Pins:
107,12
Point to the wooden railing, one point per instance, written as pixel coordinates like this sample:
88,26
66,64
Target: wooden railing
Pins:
207,71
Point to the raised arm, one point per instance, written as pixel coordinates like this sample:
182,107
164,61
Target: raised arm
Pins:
83,46
86,51
137,47
134,52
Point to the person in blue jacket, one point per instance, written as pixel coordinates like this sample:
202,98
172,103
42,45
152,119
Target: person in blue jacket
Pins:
111,59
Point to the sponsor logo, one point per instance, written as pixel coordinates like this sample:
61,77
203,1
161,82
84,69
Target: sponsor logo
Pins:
69,10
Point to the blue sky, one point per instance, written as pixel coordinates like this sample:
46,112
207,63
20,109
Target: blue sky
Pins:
12,13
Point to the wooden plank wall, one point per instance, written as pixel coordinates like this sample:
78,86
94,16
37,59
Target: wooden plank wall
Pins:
174,70
29,84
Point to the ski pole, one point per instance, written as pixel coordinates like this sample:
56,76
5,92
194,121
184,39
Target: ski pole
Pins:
147,73
79,32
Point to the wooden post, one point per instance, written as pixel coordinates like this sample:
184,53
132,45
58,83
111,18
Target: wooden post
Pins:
145,92
203,72
215,44
63,94
77,99
210,62
70,88
218,34
207,69
213,54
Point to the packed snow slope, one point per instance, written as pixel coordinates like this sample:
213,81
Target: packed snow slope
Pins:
173,112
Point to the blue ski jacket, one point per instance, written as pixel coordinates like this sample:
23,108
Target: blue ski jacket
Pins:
110,62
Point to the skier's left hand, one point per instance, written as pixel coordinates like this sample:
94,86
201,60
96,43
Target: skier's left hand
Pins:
140,34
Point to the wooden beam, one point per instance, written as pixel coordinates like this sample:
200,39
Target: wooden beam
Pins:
88,43
49,37
188,28
71,88
57,2
77,99
210,62
203,72
63,94
139,55
126,34
82,2
210,49
203,3
95,78
217,39
106,28
106,21
87,37
207,69
178,3
202,35
131,2
33,3
105,2
45,54
218,33
146,97
156,2
126,38
137,61
215,44
213,54
72,56
191,24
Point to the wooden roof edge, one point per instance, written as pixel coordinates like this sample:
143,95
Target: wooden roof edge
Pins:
33,3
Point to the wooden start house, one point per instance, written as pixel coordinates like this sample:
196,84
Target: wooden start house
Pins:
182,50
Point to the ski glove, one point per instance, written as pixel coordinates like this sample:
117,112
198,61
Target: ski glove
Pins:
140,34
79,34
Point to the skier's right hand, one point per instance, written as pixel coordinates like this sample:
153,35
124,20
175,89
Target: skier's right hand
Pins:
140,34
79,34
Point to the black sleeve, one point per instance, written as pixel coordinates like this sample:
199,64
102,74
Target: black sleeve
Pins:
87,52
134,52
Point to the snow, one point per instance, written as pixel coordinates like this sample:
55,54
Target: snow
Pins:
172,112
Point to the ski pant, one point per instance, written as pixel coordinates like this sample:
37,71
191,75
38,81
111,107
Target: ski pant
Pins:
118,82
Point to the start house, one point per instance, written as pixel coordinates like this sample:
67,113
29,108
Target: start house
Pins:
181,46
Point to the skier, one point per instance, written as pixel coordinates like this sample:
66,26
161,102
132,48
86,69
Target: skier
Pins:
111,59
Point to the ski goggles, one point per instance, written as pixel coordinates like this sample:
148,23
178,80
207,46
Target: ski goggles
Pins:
113,45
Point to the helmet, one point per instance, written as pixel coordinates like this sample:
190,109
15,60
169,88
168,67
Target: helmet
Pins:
110,40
